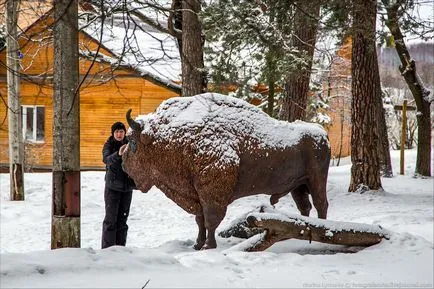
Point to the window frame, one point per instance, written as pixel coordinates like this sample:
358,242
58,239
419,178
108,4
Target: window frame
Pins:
34,139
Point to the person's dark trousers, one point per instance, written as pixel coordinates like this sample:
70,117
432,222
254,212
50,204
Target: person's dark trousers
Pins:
117,209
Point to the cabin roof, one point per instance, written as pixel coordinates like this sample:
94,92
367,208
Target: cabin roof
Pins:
158,61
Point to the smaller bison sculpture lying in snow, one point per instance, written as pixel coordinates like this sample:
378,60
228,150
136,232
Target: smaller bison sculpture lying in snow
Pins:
208,150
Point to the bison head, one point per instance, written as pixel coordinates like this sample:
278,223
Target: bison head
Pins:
137,157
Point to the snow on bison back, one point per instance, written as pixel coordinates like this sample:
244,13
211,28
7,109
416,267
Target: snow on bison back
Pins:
208,150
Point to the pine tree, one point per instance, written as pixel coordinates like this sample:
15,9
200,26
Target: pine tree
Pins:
192,49
249,43
365,141
297,84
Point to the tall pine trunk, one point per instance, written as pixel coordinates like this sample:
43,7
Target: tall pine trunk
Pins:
365,170
192,49
384,151
270,60
420,94
65,224
16,145
297,85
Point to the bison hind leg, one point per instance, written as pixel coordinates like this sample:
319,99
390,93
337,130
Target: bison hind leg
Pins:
318,191
301,199
274,199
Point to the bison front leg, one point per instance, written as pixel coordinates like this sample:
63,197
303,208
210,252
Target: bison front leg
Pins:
213,216
201,236
214,188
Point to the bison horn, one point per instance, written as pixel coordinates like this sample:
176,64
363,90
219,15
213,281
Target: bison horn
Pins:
132,123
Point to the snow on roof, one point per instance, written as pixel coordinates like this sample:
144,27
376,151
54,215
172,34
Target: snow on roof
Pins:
142,48
138,69
217,124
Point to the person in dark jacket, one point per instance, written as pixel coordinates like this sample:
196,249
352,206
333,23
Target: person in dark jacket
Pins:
118,189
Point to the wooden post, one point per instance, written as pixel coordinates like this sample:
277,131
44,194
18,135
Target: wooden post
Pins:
65,221
404,107
403,136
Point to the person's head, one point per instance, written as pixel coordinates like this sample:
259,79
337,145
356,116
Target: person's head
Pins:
118,131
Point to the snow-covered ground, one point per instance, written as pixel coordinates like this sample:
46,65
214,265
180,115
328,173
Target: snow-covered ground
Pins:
159,249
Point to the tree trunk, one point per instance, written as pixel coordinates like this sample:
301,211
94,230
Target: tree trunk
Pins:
192,49
386,162
311,229
175,23
65,224
16,146
297,85
270,98
365,143
270,60
265,226
341,136
420,94
384,149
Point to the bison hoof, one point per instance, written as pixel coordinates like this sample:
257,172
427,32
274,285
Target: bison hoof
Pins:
198,246
206,247
199,243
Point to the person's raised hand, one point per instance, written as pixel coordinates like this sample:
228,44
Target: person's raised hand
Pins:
122,149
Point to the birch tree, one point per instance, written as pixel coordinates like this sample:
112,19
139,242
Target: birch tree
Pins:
16,145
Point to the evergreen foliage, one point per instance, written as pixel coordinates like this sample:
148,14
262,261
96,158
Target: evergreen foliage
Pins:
249,43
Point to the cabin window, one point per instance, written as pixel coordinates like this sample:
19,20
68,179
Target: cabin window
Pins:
33,123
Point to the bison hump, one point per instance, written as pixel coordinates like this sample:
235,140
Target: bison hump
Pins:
221,126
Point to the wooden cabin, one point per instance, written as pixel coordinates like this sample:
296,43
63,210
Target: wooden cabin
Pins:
339,86
105,96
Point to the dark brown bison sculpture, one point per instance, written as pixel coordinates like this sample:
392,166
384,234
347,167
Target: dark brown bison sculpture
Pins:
208,150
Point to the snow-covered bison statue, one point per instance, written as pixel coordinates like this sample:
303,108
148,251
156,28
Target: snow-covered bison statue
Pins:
208,150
